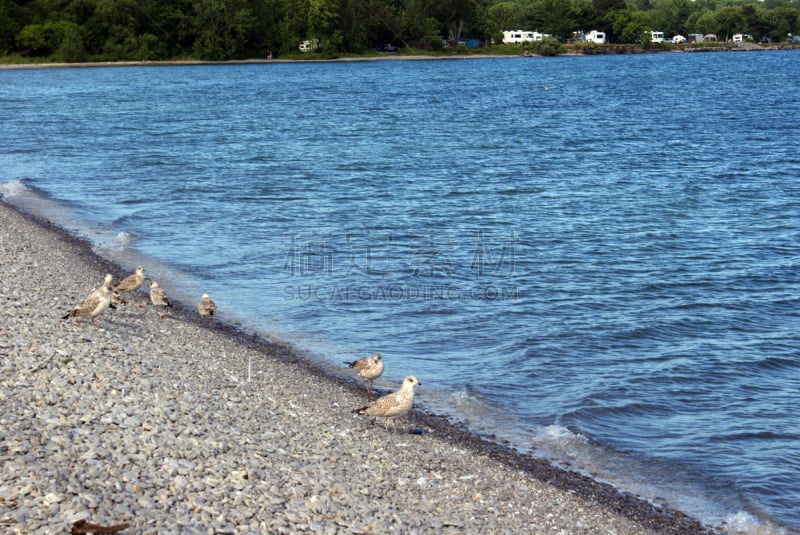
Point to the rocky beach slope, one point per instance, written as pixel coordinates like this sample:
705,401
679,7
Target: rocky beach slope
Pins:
175,425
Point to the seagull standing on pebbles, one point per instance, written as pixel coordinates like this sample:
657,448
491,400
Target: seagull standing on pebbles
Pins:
94,305
368,368
206,307
116,297
394,405
131,283
158,296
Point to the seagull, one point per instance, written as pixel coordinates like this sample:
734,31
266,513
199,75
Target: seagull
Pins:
206,307
116,297
158,296
368,368
131,283
394,405
95,304
548,87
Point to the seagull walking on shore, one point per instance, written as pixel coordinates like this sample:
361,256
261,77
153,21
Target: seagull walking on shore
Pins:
369,369
158,296
94,305
131,283
394,405
116,297
206,307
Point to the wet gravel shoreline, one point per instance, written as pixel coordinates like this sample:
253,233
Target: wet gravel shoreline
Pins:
155,423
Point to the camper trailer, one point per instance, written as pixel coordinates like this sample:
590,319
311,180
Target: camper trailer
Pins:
656,37
309,45
596,37
521,36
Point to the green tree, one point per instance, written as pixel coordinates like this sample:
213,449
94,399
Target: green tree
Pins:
323,19
504,14
670,16
354,24
483,26
783,21
729,20
71,49
453,16
629,26
549,46
605,14
220,27
557,18
386,24
701,21
44,39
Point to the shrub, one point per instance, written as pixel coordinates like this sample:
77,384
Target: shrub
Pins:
548,46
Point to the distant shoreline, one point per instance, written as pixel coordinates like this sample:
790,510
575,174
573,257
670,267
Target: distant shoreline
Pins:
611,50
173,63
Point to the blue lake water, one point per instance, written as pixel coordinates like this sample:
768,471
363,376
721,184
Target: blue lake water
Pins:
605,273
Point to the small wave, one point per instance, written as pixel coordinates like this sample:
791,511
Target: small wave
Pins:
13,188
473,407
559,439
124,238
461,399
746,524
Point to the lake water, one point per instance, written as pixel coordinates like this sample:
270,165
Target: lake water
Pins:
604,272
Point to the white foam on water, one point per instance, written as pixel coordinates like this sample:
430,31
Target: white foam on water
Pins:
32,201
124,238
559,437
743,523
657,484
13,189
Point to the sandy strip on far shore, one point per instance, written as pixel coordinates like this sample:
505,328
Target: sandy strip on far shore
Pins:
171,425
168,63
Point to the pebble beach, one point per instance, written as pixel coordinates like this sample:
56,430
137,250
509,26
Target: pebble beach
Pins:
170,423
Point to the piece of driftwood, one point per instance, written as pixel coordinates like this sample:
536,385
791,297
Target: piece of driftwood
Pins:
81,527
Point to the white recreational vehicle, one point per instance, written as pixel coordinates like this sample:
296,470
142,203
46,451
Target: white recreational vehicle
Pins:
309,45
516,37
596,37
656,37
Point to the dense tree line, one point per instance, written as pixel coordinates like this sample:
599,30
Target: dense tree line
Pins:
78,30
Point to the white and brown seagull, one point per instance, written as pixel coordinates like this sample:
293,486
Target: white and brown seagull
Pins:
95,303
206,307
158,296
394,405
369,369
131,283
116,297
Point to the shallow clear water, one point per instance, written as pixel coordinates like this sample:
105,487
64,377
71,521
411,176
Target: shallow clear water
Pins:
605,273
